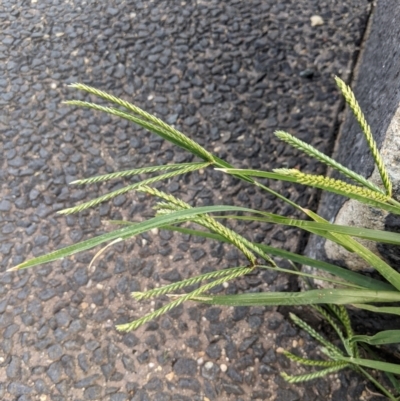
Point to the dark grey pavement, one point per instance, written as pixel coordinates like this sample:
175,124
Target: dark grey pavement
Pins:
228,74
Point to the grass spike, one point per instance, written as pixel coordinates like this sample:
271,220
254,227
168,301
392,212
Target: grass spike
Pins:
184,283
313,375
366,129
121,191
210,223
139,322
313,333
331,184
331,321
312,362
129,173
316,154
163,130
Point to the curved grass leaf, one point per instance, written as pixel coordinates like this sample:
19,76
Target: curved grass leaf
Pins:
345,274
393,310
126,232
364,233
383,337
372,364
391,275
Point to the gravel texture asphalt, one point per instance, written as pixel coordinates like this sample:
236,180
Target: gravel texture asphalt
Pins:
227,73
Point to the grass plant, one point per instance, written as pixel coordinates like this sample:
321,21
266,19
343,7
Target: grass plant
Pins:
356,351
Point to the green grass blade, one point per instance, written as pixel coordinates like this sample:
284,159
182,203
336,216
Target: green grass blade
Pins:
316,154
345,274
379,385
393,310
126,232
143,170
372,364
390,376
364,233
391,275
383,337
312,297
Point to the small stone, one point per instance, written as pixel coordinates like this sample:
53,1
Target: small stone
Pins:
16,388
93,393
128,363
213,351
170,376
119,397
5,205
197,254
13,370
247,343
210,371
223,367
154,384
55,372
212,314
47,294
316,20
55,352
185,367
232,389
81,276
130,340
287,395
63,319
83,363
10,331
143,357
190,384
87,381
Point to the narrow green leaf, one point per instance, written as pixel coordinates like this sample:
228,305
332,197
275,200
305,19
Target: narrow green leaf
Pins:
393,310
372,364
311,297
364,233
391,275
378,385
126,232
345,274
383,337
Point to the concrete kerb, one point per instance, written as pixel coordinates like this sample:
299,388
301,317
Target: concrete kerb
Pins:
376,85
